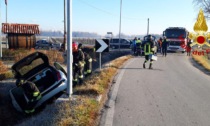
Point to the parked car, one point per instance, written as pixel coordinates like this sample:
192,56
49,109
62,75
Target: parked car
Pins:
56,46
124,43
43,44
50,80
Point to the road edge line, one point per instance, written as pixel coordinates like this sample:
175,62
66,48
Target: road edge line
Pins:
111,102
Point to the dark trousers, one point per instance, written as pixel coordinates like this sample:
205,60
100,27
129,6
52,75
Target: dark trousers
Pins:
77,75
88,68
164,51
134,49
147,58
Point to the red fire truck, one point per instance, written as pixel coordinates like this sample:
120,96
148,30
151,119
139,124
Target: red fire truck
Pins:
177,38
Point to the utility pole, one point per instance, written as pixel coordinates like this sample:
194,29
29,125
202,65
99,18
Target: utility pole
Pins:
148,26
69,48
120,24
6,22
64,22
0,36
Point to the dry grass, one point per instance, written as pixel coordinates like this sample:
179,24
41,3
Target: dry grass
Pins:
202,60
87,108
53,55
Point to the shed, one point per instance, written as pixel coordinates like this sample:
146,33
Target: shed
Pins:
20,35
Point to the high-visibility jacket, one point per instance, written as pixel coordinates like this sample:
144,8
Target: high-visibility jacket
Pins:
32,95
148,47
78,57
138,43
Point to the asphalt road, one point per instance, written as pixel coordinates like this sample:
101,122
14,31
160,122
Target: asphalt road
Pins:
174,93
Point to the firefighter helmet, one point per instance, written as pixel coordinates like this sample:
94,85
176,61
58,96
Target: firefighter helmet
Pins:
74,47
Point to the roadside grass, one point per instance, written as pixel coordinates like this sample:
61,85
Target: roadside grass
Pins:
87,110
84,110
203,60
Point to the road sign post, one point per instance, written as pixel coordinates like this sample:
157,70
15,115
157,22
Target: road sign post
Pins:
100,61
101,46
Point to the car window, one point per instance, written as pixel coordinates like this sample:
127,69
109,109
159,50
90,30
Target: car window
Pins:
115,41
124,41
29,67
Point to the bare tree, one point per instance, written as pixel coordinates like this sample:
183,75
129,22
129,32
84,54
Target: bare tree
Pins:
205,5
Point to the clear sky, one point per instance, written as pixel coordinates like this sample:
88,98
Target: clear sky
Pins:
102,16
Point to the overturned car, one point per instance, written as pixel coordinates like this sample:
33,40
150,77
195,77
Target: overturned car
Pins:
37,82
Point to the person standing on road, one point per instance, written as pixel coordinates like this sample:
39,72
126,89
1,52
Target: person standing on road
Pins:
160,44
188,47
138,47
134,45
164,46
78,64
148,51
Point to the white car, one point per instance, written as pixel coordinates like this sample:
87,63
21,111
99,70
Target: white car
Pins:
51,81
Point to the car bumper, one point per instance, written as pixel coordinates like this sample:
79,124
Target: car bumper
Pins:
174,48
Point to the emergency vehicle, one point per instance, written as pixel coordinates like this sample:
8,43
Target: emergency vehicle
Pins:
177,38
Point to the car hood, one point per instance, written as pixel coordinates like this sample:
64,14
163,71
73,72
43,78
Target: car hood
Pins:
36,60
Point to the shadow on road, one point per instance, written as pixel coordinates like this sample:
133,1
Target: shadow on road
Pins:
199,66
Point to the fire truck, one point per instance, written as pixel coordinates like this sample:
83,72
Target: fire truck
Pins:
177,38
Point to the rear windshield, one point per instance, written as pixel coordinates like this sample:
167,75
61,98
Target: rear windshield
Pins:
25,69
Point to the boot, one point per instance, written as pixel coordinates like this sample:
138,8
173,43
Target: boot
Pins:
75,83
80,81
144,66
150,66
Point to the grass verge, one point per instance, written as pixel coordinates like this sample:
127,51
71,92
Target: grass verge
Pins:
202,60
84,109
87,109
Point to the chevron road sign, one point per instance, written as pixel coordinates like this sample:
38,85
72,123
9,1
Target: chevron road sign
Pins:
101,45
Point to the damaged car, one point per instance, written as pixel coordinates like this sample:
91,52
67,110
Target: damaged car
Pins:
37,82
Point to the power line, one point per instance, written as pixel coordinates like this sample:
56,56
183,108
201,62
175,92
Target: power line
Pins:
112,14
97,8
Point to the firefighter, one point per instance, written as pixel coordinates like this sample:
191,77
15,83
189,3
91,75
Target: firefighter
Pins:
164,46
78,64
138,47
188,48
31,94
88,61
148,46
